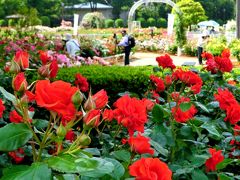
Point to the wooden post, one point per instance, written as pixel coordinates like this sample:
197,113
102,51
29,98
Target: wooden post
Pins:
238,18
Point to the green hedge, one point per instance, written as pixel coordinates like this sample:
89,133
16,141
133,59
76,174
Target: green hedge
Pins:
119,23
109,23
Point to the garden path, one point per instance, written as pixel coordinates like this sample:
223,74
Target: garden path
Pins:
144,59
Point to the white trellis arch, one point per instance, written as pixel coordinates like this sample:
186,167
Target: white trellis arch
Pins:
140,3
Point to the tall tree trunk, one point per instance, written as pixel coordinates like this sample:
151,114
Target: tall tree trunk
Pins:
238,18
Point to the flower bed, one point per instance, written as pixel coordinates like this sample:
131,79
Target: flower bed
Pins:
185,127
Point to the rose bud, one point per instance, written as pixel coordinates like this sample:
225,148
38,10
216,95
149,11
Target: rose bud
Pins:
22,59
43,71
92,118
53,69
108,115
84,140
89,104
43,56
19,83
77,99
100,99
14,67
61,131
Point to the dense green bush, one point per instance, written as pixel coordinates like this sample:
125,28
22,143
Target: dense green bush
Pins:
45,21
109,23
119,23
172,49
189,50
143,22
216,45
151,22
2,22
161,22
11,22
235,48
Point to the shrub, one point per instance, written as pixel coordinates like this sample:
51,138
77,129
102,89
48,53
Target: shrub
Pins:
151,22
109,23
143,22
11,22
93,20
161,22
2,22
189,50
216,46
235,48
45,21
172,49
119,23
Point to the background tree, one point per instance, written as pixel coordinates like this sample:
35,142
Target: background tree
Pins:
238,17
193,12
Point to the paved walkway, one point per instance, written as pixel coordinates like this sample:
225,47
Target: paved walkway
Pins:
144,59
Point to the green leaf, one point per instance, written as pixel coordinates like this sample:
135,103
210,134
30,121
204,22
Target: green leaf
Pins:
225,177
157,113
14,136
118,171
201,106
224,163
159,148
94,167
185,106
8,95
37,171
122,155
66,177
62,163
211,129
198,175
40,123
199,160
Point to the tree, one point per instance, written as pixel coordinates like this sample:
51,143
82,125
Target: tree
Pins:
193,12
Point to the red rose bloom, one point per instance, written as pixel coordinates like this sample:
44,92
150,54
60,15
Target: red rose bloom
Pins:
168,80
20,83
233,114
149,104
150,169
216,157
225,98
207,55
43,56
159,83
2,108
53,69
226,53
81,82
131,113
211,66
100,99
165,62
140,144
191,79
236,130
70,136
108,115
22,59
92,118
14,117
223,64
17,155
57,97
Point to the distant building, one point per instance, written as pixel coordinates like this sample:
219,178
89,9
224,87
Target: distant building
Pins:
84,8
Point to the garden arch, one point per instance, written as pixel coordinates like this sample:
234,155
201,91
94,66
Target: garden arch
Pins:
140,3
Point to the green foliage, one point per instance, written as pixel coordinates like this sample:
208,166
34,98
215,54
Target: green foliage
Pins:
93,20
109,23
11,22
119,23
45,21
151,22
143,22
189,50
172,49
235,48
193,12
216,46
180,30
161,22
3,22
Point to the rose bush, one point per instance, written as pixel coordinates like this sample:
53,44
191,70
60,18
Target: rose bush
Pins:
186,127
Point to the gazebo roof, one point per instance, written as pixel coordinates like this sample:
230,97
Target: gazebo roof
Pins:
88,6
14,16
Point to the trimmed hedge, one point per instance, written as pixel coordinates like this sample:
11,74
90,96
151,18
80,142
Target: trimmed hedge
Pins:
119,23
109,23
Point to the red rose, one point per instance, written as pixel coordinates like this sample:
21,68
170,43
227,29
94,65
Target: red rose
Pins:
14,117
226,53
92,118
140,144
57,97
150,169
149,104
70,136
17,155
22,59
19,83
211,66
207,55
100,99
53,69
159,83
108,115
233,114
216,157
81,82
224,64
43,56
30,96
131,113
168,80
165,61
2,108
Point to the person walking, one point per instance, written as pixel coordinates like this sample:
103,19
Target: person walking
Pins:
127,48
201,42
72,46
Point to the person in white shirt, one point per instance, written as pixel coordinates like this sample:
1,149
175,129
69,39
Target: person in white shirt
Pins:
127,49
201,42
72,45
